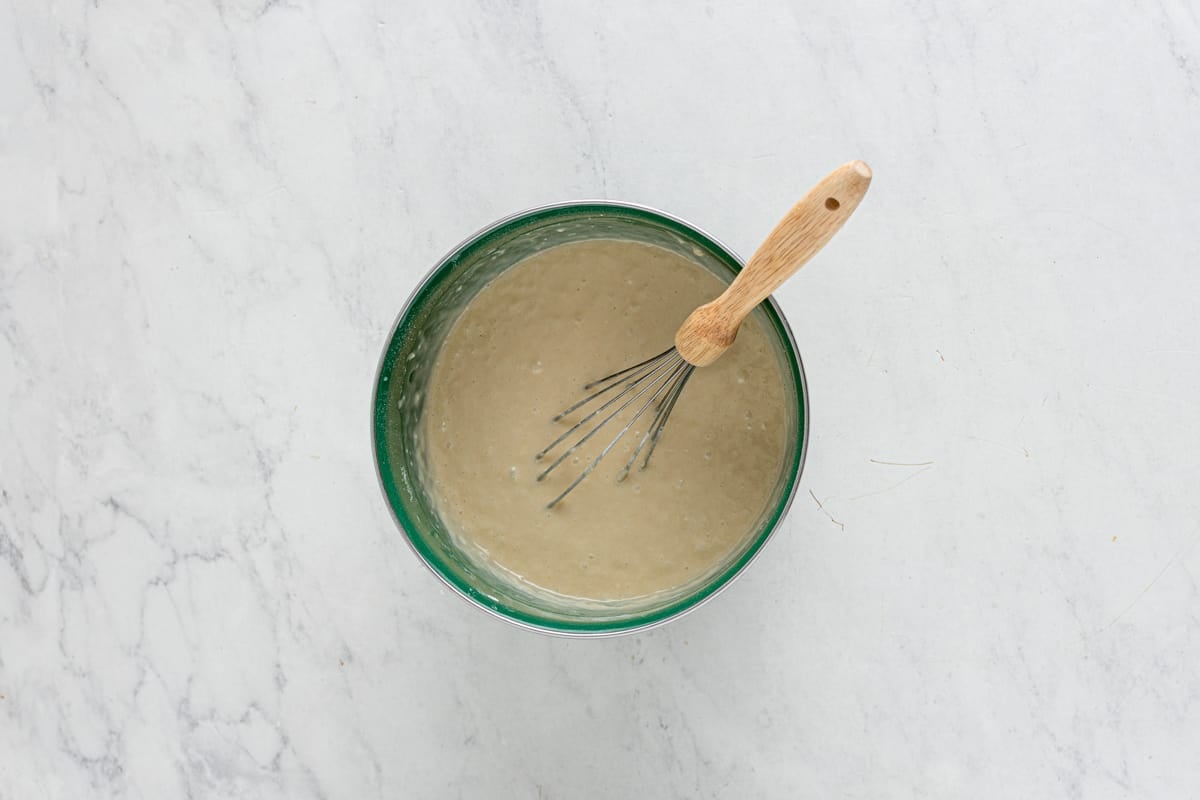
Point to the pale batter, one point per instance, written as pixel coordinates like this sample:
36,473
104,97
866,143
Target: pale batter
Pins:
522,351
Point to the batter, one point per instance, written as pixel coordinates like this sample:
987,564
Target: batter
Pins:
522,351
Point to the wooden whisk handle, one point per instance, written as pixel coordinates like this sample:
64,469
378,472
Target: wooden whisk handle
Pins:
709,330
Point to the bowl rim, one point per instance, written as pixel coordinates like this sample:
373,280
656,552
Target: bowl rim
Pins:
644,621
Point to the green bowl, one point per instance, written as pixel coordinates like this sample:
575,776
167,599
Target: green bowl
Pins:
404,370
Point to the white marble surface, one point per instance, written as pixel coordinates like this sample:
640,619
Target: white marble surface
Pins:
210,213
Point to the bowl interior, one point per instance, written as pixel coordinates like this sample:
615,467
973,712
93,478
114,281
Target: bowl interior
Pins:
399,403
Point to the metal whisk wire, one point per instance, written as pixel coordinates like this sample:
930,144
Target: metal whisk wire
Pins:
662,377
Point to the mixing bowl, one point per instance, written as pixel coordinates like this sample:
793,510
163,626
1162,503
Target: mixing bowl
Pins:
400,390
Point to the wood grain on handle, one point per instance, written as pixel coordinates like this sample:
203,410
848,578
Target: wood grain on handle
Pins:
709,330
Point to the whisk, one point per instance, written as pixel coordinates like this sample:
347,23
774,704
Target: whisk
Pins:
710,330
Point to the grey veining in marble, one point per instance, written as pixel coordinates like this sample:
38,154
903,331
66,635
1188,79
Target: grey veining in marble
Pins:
211,210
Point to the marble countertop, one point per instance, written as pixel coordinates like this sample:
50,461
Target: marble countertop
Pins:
210,213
